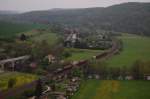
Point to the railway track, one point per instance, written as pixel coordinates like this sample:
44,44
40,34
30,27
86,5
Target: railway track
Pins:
106,54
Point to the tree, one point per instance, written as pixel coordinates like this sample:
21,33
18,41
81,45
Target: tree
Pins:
97,67
136,69
40,50
145,67
115,72
66,54
44,64
77,72
53,86
123,71
11,82
23,37
28,93
141,68
38,89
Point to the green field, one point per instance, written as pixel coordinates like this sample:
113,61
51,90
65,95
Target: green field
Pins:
21,78
134,48
80,54
112,89
38,36
9,29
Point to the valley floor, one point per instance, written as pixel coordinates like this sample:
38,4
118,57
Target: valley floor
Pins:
134,48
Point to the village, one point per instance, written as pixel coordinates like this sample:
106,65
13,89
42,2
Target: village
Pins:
64,81
74,49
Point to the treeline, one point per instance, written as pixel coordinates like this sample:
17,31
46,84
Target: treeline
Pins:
137,71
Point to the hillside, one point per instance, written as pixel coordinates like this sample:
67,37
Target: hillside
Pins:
127,17
9,29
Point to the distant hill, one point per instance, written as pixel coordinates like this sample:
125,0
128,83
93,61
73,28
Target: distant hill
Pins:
127,17
8,12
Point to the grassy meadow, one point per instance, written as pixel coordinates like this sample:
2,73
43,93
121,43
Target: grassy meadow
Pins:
81,54
21,78
38,36
134,48
113,89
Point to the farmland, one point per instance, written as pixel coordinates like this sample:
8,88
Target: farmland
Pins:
113,89
134,48
9,29
21,78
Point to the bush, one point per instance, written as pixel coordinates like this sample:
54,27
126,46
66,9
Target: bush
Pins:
77,72
39,71
38,89
11,82
66,54
28,93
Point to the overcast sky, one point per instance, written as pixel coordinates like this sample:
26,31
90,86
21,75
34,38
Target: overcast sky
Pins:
28,5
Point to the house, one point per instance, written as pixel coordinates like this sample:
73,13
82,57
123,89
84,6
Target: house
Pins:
75,62
90,77
61,97
51,58
94,57
75,79
33,97
71,38
33,65
100,36
129,77
147,76
120,78
97,76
